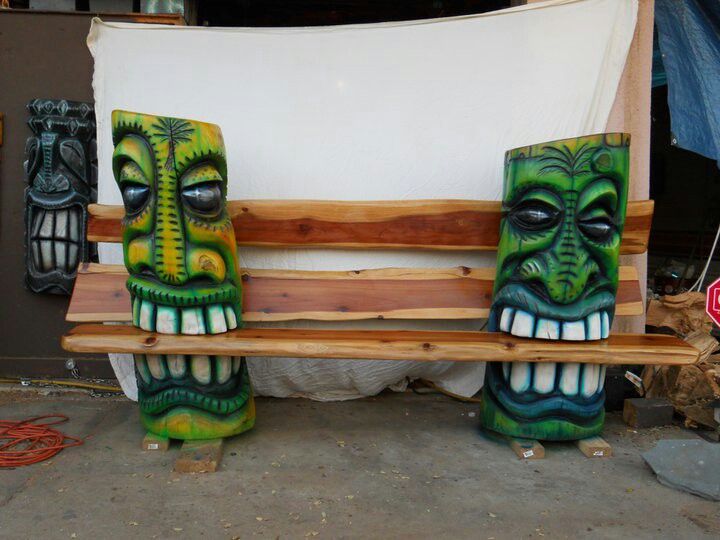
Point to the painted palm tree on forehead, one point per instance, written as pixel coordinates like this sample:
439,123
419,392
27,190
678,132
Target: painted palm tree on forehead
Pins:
169,241
563,213
180,251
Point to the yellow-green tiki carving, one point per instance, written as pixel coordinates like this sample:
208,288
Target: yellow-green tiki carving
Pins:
557,276
180,250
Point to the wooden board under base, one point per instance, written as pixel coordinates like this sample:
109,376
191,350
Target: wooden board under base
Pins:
155,443
201,456
527,448
594,447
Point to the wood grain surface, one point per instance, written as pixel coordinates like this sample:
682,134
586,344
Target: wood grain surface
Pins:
459,225
285,295
420,346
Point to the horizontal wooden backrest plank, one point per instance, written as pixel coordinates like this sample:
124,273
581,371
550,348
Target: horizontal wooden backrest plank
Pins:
285,295
460,225
422,346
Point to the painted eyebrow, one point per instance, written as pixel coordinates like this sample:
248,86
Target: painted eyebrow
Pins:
200,173
133,148
519,192
599,190
130,172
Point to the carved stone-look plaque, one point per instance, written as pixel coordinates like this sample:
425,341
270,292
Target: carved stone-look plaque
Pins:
61,173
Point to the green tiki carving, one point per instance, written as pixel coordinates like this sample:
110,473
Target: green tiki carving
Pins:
564,206
180,251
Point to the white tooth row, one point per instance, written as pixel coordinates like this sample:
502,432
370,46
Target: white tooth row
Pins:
585,379
160,367
212,319
523,324
54,244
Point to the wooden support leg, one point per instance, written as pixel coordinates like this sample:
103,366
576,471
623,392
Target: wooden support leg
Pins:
199,456
594,447
155,443
527,448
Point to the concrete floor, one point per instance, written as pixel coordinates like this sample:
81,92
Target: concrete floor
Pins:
395,466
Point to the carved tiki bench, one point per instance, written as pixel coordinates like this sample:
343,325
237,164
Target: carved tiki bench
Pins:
563,222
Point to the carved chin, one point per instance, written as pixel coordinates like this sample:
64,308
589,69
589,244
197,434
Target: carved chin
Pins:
544,401
194,396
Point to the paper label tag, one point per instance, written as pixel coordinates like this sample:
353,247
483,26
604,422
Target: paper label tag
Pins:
153,446
636,380
598,453
528,453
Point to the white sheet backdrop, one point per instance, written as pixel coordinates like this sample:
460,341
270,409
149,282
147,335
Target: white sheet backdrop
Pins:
385,111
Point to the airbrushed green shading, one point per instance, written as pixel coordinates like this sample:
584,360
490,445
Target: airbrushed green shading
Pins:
169,155
180,251
182,408
564,207
494,418
584,181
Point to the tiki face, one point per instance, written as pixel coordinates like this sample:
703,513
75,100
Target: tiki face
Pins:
61,171
180,250
557,276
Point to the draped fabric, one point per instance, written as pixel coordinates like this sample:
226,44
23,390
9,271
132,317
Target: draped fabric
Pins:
410,110
689,37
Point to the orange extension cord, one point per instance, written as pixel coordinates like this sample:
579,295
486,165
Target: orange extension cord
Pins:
26,443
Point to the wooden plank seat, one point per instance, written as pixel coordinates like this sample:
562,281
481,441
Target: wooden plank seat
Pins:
389,293
422,346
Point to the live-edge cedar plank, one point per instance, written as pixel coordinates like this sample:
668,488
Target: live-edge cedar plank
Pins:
459,225
281,295
384,345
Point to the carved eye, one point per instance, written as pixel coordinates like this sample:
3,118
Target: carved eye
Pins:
598,229
534,216
204,199
134,197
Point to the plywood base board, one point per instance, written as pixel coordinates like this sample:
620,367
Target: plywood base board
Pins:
155,443
200,456
594,447
527,448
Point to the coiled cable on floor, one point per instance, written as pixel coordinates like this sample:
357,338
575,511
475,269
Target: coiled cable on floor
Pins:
27,442
56,382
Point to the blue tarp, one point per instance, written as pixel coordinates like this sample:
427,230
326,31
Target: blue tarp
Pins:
689,37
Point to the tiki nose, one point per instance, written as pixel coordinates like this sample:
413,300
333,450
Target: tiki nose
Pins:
572,277
169,255
572,268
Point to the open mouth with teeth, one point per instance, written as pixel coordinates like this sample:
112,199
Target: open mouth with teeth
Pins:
212,390
54,239
525,313
168,310
190,396
547,401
